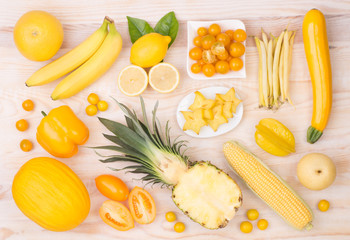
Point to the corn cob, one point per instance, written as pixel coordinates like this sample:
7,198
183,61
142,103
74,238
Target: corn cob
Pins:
268,186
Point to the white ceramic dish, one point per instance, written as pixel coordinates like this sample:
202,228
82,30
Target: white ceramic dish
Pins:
192,27
206,131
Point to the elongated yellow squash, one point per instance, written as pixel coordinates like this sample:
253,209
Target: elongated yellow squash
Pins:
49,193
317,56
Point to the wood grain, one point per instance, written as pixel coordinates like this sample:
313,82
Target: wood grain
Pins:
81,18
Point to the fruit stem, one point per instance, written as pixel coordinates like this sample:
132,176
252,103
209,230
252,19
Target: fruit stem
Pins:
110,20
43,113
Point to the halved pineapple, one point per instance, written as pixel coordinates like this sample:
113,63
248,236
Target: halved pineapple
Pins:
194,120
207,195
218,118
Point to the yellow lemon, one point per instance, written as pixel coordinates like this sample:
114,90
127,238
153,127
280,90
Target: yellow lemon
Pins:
149,50
164,77
38,35
132,80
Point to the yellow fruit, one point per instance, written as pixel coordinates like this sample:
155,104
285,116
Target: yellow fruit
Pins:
252,214
149,50
38,35
262,224
170,216
179,227
201,102
246,227
219,118
194,120
132,80
164,77
275,138
71,60
227,110
49,193
93,68
93,98
323,205
102,106
91,110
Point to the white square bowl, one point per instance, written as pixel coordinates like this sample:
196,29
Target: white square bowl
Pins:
192,27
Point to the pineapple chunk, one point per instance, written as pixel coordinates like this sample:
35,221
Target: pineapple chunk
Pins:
201,102
227,110
218,118
194,120
208,114
207,195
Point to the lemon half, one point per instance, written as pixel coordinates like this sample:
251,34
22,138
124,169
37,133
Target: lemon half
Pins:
132,80
164,77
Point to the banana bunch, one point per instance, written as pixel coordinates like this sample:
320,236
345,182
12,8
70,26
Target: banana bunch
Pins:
275,61
90,60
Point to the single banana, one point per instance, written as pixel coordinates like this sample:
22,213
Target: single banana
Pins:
93,68
70,60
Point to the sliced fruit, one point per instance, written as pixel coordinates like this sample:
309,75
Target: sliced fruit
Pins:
112,187
201,102
227,110
142,206
218,118
194,120
229,96
116,215
132,80
164,77
208,114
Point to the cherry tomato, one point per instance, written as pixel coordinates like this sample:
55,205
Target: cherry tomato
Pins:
102,106
222,67
208,41
246,227
208,70
93,98
26,145
197,41
236,64
237,49
218,48
28,105
195,53
179,227
224,38
323,205
240,35
91,110
112,187
116,215
223,56
262,224
201,62
214,29
202,31
208,56
170,216
22,125
230,33
252,214
142,206
196,68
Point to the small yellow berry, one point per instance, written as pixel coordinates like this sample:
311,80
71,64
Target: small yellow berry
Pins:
323,205
170,216
102,106
246,227
262,224
179,227
252,214
91,110
93,98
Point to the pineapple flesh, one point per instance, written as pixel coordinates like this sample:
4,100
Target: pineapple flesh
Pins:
202,191
207,195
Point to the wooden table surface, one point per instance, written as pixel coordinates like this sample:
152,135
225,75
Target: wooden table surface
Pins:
81,18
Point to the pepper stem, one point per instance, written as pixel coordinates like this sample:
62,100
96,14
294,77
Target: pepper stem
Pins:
43,113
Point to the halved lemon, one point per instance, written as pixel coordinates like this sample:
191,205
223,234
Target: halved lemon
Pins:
164,77
132,80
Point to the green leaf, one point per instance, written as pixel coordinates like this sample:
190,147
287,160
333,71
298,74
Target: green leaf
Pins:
168,26
138,28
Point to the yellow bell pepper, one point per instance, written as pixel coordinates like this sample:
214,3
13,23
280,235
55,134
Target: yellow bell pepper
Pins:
61,131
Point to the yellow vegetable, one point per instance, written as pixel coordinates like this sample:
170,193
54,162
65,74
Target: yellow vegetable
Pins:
49,193
317,56
274,137
149,50
268,186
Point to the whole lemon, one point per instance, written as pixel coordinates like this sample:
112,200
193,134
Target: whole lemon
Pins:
149,50
38,35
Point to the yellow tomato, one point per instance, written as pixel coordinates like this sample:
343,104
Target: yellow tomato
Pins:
38,35
195,53
239,35
222,67
93,98
208,70
102,105
237,49
224,38
246,227
26,145
170,216
28,105
91,110
197,41
196,68
22,125
179,227
214,29
262,224
252,214
202,31
236,64
112,187
208,41
323,205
